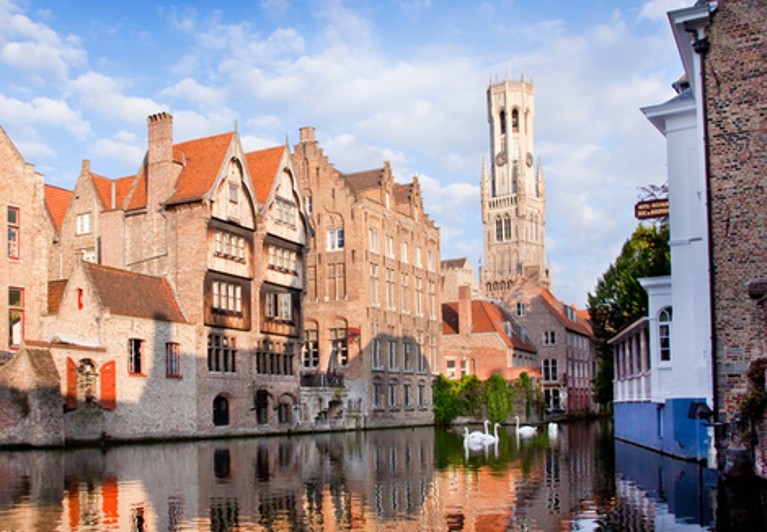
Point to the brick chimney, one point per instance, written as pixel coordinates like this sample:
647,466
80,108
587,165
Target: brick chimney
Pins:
307,134
160,179
464,310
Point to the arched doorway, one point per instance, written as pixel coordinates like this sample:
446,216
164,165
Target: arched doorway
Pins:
220,411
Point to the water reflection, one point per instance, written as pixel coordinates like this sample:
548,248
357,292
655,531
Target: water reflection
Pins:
420,478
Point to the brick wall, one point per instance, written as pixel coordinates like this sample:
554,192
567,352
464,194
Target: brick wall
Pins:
736,112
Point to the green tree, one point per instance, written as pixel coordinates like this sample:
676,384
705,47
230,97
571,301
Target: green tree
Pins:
619,299
498,399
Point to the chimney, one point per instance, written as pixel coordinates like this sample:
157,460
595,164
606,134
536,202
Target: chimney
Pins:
307,134
159,159
464,310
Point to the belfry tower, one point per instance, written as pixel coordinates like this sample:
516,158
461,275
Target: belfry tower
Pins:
513,195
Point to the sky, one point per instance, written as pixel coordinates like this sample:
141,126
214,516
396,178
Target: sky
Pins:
402,81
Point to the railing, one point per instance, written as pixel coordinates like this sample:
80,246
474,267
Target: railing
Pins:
322,380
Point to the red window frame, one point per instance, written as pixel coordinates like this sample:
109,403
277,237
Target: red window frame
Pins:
14,228
15,307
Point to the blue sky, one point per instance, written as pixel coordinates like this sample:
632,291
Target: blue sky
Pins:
402,81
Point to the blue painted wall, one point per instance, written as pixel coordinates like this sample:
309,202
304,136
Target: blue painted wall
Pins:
664,427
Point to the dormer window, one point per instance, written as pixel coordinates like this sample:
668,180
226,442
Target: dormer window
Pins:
234,193
570,313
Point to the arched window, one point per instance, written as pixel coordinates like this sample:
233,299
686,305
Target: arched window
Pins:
220,411
664,333
498,229
507,228
515,120
502,121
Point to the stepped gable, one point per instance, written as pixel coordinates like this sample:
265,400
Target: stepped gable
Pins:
449,264
579,325
127,293
263,166
56,203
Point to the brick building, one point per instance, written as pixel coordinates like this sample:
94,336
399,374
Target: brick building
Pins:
480,338
732,50
563,338
372,305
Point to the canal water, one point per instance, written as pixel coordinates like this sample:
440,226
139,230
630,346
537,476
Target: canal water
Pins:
578,478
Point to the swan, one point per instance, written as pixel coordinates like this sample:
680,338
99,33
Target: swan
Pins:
489,439
553,430
477,435
473,441
525,431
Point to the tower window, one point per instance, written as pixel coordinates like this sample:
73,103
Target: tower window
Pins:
502,121
515,120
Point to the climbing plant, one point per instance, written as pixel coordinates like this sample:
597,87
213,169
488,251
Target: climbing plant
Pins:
498,399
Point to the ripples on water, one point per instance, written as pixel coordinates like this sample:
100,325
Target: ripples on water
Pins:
406,479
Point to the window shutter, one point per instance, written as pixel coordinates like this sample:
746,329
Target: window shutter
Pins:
109,386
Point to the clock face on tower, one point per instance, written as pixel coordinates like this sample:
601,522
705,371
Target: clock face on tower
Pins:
500,158
529,159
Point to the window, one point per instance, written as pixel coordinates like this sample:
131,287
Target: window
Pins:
552,398
520,309
405,305
335,239
392,395
278,306
403,252
507,227
336,288
418,257
374,300
286,212
274,359
498,229
13,233
373,240
15,317
418,296
550,369
340,345
229,246
172,360
377,395
421,395
308,204
450,364
390,288
392,354
222,352
430,260
549,338
135,348
311,358
234,193
84,223
377,354
227,297
664,334
390,246
406,396
407,355
432,300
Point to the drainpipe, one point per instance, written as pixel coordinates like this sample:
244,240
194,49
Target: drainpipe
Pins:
700,46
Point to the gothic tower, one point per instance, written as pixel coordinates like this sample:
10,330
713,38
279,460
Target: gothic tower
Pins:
513,195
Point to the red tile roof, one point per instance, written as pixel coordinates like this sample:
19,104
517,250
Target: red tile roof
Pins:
55,293
365,179
263,166
127,293
486,317
202,159
56,202
104,185
579,325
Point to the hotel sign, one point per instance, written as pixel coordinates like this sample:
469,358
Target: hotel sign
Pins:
645,210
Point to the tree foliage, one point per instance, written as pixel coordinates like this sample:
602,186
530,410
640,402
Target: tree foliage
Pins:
619,299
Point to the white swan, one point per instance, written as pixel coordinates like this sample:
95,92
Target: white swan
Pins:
525,431
473,441
553,429
490,439
477,435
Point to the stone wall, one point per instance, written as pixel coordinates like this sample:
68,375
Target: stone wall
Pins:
30,401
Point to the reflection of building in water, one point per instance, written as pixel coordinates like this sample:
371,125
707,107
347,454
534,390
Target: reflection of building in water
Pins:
655,491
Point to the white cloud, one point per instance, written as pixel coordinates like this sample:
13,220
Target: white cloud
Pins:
190,90
124,148
36,49
43,112
105,95
657,9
